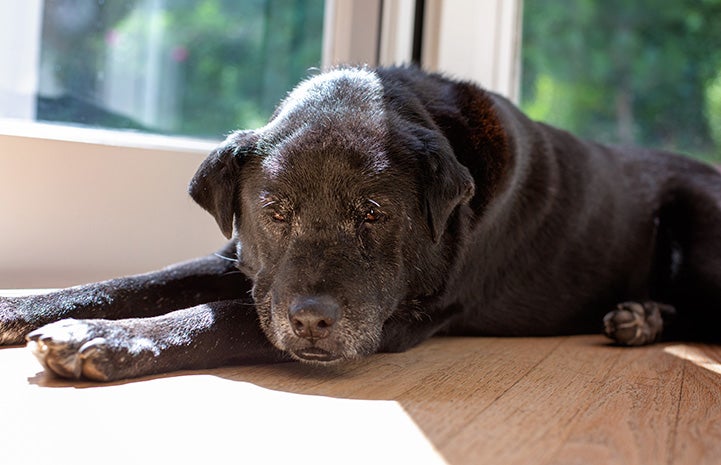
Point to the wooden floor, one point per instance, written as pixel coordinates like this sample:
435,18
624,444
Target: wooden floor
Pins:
568,400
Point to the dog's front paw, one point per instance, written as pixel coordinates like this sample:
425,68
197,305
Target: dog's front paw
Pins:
634,323
91,349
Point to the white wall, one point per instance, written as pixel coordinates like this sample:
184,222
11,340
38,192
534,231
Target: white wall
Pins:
74,212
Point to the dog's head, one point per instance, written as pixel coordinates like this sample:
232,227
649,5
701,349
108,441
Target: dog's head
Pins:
340,205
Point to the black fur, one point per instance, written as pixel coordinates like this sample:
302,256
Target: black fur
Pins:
381,207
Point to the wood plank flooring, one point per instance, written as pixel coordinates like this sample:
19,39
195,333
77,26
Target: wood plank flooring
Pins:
566,400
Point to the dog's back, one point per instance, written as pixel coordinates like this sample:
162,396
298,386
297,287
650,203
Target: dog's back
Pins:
579,227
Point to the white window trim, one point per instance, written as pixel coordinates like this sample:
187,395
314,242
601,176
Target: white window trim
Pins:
350,31
396,38
367,41
479,40
103,137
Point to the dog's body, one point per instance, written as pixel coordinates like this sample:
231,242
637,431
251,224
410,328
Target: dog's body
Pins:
380,207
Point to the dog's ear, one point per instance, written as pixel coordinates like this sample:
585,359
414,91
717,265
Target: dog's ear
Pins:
216,184
479,152
448,184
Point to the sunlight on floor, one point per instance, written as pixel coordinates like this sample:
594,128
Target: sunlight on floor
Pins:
695,356
198,419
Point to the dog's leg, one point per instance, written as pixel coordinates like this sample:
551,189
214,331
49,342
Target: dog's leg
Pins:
183,285
691,224
636,323
205,336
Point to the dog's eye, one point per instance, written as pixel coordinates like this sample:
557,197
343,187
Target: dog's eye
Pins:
371,216
276,212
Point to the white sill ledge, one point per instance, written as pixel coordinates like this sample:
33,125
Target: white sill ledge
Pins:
107,137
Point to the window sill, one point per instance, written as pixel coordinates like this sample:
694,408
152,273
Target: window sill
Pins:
106,137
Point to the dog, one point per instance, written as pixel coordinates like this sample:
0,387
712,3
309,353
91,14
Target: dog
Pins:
380,207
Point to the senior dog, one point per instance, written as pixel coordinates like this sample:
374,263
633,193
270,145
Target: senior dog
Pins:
378,208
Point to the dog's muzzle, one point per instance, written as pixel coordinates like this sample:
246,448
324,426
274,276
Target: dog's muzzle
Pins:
313,318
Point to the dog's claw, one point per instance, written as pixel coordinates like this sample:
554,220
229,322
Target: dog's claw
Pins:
91,347
65,348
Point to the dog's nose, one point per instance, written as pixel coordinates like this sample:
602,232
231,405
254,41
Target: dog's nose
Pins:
313,317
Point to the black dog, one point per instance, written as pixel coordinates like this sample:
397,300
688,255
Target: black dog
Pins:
378,208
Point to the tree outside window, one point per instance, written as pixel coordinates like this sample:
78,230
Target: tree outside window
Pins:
646,72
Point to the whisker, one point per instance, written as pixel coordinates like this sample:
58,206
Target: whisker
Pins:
226,258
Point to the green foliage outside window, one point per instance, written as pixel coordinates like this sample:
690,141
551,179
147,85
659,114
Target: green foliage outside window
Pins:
191,67
645,72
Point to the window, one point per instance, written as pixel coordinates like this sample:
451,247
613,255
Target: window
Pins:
645,72
192,67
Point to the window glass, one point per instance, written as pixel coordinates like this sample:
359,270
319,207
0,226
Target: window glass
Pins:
644,72
191,67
